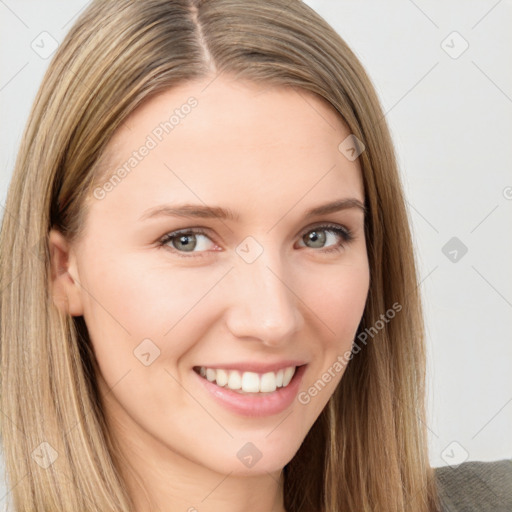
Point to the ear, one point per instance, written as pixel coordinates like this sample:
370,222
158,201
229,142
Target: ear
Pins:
64,285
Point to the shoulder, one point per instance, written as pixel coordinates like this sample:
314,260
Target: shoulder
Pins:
476,486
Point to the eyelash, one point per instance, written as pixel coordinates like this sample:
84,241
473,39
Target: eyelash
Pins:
343,232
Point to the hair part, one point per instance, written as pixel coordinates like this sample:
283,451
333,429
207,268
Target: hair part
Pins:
368,449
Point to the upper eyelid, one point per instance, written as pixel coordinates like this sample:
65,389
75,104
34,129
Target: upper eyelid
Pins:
203,230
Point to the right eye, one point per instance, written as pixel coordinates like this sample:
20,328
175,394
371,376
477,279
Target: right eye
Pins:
186,241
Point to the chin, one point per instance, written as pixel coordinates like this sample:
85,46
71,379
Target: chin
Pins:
258,457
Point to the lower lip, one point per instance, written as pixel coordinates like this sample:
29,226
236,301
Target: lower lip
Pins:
261,404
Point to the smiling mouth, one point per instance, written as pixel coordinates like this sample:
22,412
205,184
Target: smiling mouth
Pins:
248,382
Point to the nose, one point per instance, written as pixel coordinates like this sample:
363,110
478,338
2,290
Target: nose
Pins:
263,303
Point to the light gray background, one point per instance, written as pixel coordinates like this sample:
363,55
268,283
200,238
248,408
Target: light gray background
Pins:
450,117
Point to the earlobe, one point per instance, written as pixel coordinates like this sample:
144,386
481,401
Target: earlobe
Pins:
64,286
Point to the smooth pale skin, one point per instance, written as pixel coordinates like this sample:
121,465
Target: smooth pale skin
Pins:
269,154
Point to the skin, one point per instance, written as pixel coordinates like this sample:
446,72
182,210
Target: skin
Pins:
269,154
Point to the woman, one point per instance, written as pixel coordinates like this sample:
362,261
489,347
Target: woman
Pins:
213,301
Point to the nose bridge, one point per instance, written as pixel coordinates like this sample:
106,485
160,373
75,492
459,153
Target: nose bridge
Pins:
264,306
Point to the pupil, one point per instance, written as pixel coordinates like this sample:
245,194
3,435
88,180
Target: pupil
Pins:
315,237
184,240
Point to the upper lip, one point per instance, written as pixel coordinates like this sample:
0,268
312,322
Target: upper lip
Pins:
253,366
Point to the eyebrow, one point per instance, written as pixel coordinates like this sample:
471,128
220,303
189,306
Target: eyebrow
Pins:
216,212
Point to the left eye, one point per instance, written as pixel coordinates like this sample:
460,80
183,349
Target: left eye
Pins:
318,236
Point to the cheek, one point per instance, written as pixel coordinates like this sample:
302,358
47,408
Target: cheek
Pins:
128,302
338,299
143,299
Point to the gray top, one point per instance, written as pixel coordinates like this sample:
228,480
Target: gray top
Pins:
476,486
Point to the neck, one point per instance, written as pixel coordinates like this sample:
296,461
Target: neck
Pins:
159,480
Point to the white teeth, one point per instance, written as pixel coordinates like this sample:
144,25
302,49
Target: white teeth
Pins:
287,377
249,382
235,380
222,378
268,382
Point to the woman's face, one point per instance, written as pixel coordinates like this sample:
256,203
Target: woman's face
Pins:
269,288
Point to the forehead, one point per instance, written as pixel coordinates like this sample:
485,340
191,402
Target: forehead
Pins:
231,140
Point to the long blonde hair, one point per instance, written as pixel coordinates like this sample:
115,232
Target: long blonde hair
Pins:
367,451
